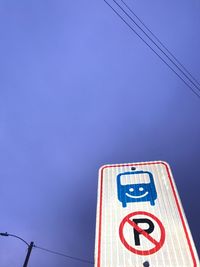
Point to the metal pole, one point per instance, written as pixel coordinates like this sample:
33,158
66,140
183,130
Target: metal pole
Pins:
28,254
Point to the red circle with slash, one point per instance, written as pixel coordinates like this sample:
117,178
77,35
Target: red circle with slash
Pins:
157,243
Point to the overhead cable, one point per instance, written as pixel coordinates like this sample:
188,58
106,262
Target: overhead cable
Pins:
146,34
164,61
160,42
64,255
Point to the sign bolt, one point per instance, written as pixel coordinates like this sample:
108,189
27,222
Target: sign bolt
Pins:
146,264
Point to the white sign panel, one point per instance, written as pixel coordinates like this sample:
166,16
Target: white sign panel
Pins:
140,220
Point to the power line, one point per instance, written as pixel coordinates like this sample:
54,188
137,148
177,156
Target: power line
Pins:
151,48
64,255
160,42
31,245
155,44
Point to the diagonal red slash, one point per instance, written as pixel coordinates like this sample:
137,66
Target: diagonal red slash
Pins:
143,232
157,244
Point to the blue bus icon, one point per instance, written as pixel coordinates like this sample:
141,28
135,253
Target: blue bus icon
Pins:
129,191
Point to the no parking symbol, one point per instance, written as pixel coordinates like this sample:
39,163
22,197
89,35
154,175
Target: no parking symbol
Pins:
148,233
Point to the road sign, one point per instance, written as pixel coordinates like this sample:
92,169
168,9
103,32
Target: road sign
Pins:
138,232
140,220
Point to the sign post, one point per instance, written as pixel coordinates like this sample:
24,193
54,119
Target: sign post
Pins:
140,220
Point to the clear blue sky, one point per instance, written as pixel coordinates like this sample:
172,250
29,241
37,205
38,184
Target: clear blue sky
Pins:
78,90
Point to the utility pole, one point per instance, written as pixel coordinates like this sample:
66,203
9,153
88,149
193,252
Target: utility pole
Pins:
30,246
28,254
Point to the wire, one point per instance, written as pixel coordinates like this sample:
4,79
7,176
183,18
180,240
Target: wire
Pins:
64,255
155,44
161,43
48,250
152,48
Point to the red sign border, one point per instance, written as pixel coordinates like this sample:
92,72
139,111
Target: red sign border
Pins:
175,197
140,252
